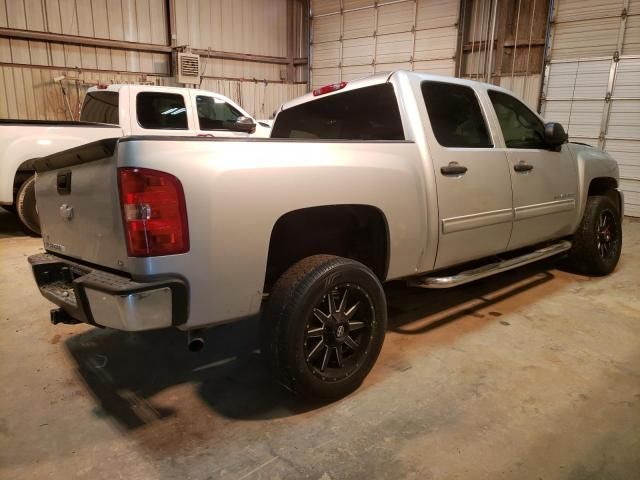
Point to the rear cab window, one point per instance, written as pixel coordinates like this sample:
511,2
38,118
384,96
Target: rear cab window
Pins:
100,107
369,113
161,111
455,115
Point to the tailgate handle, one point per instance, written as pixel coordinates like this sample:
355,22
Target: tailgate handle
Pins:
63,182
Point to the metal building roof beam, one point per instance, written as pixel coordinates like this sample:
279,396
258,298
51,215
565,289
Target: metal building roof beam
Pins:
141,47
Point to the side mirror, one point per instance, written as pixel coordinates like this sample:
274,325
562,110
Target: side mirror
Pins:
244,124
554,134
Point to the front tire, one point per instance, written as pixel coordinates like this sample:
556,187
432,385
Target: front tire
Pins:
597,243
324,325
26,206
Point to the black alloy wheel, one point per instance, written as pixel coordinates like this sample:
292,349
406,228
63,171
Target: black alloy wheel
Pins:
597,243
323,326
606,237
338,332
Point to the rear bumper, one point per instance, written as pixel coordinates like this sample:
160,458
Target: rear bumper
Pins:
106,299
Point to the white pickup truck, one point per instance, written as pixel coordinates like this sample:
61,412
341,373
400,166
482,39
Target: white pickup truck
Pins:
435,180
113,111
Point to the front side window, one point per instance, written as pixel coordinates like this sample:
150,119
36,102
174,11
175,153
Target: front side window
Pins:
521,128
214,113
161,111
369,113
455,115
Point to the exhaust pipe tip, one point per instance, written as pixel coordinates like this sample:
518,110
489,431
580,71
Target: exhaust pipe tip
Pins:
195,341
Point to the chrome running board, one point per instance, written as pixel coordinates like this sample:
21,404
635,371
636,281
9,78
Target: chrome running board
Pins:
489,269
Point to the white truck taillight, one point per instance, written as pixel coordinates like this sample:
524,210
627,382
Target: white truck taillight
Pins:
153,211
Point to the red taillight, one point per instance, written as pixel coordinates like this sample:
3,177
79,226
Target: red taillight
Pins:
334,87
154,212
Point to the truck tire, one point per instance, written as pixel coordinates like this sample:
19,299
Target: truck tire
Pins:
597,243
26,206
323,326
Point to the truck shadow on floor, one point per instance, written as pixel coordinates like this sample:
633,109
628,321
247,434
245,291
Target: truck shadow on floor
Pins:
10,225
123,371
411,312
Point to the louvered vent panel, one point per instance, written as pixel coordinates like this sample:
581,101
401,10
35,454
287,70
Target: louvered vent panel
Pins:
189,68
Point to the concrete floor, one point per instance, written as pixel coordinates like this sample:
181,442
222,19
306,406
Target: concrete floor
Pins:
534,374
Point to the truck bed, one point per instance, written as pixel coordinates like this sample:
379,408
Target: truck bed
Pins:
236,190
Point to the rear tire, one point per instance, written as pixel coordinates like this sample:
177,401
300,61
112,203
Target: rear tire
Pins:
597,243
323,326
26,206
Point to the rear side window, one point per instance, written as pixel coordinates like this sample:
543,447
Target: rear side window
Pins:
455,115
100,107
161,111
369,113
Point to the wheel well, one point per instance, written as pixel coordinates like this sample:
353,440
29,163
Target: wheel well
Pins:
605,186
358,232
24,171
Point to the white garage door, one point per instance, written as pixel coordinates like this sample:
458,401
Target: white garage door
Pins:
592,82
355,38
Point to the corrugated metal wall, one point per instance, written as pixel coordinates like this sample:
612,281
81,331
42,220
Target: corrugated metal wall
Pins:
356,38
503,43
129,20
256,27
592,81
527,87
234,26
31,92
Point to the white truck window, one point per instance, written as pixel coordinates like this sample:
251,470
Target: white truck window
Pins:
215,113
369,113
100,107
455,115
161,111
521,128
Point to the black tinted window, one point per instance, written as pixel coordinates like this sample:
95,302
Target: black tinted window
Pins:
455,115
215,114
521,128
161,111
369,113
100,107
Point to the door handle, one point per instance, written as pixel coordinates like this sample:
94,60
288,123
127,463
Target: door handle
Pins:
453,169
522,166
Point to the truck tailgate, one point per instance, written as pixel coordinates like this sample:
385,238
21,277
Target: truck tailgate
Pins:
77,201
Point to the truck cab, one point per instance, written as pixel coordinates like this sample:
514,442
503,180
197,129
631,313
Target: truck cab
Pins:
152,110
113,111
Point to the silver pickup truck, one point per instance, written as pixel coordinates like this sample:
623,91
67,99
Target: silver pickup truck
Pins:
436,180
